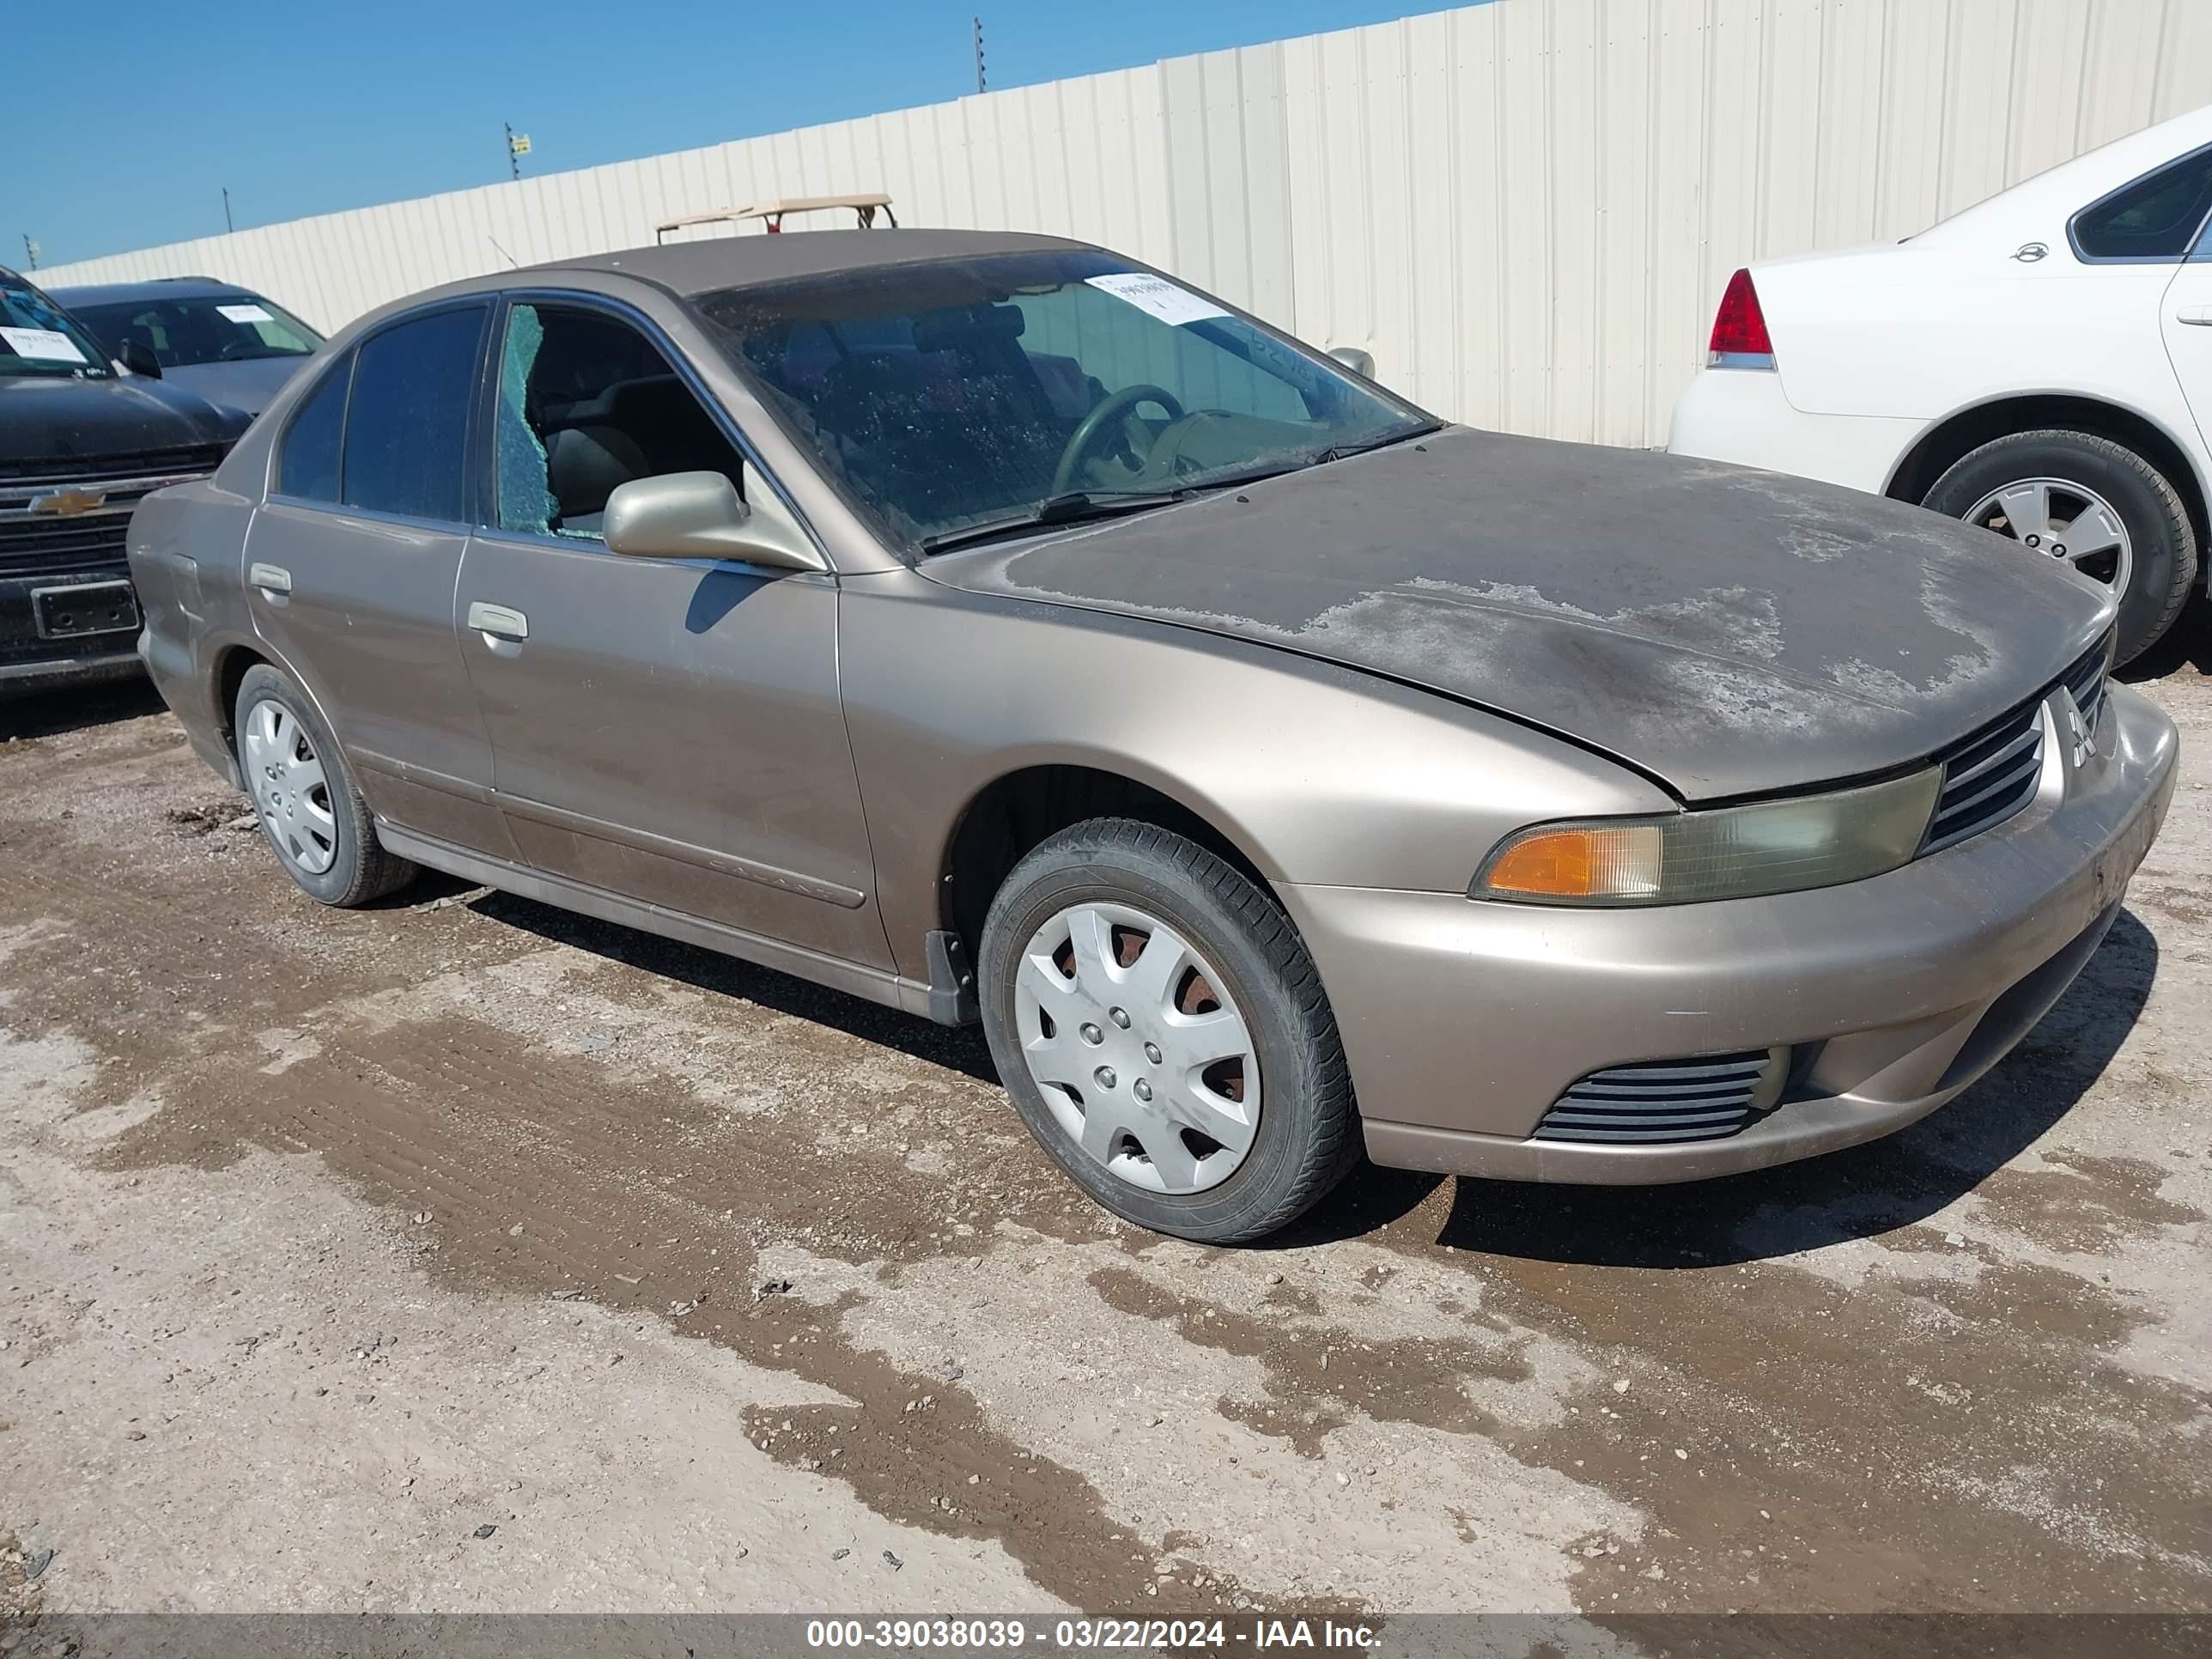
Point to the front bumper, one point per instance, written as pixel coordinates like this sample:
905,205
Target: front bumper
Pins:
31,662
1465,1021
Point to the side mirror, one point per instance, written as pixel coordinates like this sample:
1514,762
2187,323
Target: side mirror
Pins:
697,515
139,357
1361,363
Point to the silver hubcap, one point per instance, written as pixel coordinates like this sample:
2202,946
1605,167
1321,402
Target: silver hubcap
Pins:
289,789
2065,520
1136,1048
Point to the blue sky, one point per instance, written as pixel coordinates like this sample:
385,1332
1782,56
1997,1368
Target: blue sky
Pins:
125,134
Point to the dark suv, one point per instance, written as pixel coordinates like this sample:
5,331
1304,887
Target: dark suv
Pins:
79,442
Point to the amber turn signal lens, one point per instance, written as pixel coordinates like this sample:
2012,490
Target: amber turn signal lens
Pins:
1728,852
1559,864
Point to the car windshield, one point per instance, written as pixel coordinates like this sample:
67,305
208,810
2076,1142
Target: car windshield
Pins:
37,336
226,328
951,398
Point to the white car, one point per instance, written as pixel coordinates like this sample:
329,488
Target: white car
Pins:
2040,364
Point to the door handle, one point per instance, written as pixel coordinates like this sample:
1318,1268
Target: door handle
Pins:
269,577
2196,316
498,621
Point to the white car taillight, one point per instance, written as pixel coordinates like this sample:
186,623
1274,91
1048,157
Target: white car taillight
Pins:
1739,339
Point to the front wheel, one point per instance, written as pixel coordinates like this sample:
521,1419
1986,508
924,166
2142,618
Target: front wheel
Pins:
2088,503
1164,1034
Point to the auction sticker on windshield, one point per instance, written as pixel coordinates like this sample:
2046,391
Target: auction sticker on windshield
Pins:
51,344
246,313
1158,295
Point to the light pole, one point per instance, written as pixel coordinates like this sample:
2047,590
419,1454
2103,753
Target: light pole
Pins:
518,146
30,251
226,225
978,24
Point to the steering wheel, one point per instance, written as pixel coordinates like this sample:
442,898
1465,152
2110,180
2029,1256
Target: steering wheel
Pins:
1110,412
237,350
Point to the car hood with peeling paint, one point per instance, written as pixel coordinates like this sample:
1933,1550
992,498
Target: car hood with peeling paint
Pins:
1728,631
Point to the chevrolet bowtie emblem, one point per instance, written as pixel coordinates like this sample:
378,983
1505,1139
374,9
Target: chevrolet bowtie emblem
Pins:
68,503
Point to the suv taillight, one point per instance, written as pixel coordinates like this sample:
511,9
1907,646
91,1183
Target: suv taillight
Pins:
1740,339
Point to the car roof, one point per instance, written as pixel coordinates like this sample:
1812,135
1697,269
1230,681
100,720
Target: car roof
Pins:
722,262
161,288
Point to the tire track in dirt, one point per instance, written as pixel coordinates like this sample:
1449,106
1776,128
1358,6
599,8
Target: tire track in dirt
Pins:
543,1153
488,1134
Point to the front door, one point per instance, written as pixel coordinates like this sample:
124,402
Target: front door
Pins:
350,566
668,731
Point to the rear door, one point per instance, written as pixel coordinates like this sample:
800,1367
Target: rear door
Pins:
666,730
352,561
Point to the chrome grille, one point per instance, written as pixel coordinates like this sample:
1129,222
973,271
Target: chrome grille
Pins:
1988,778
1993,773
48,544
2086,680
1708,1097
40,547
76,468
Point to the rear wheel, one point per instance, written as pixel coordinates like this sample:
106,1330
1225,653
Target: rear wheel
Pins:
1164,1035
2088,503
311,814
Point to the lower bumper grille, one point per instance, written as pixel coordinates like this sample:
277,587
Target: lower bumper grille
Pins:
1708,1097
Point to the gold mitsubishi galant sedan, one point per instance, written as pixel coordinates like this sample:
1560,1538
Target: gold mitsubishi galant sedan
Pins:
998,629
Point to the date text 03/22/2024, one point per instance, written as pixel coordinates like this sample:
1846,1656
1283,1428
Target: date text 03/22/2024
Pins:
1081,1634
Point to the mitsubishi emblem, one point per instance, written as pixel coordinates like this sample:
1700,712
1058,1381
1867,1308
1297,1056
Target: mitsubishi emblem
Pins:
2080,745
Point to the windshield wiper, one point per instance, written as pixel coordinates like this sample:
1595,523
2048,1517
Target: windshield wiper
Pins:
1071,508
1340,451
1079,504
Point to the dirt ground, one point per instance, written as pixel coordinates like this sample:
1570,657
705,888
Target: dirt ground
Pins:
464,1255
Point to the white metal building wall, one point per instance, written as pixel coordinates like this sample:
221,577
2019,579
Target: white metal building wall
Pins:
1525,209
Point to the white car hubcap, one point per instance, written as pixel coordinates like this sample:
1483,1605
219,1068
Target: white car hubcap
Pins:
289,790
1137,1048
2063,520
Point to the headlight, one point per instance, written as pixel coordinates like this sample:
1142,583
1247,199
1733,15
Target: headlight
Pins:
1730,852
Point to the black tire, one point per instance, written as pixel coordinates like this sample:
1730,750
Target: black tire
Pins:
2158,527
1307,1137
360,871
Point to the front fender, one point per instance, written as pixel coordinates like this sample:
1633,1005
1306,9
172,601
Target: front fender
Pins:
1320,775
